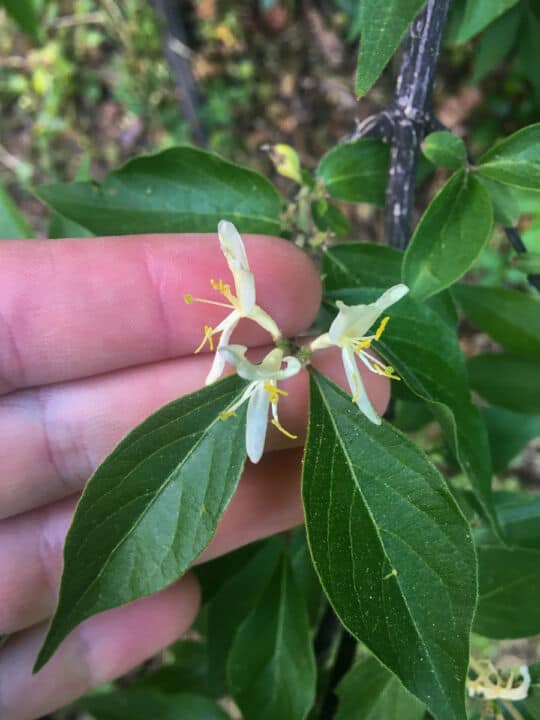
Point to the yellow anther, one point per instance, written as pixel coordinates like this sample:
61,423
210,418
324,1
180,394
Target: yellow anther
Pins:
224,289
381,328
391,574
208,330
389,372
274,392
281,429
188,299
362,345
226,414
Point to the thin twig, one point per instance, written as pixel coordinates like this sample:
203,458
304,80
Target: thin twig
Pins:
179,57
519,246
413,117
344,659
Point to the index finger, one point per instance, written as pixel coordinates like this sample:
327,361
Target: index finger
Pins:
76,308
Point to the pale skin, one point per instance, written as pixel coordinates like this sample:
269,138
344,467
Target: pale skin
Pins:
94,336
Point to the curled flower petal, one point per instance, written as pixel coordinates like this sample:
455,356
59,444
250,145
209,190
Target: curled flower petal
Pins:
348,332
261,392
257,422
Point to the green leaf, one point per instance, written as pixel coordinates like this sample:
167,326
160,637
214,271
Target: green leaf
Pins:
61,227
411,416
142,704
329,218
13,226
445,149
508,434
187,673
508,576
496,42
479,14
520,515
356,171
506,210
510,317
508,604
371,692
24,13
393,551
530,708
151,507
271,666
234,600
426,354
515,160
178,190
449,237
507,381
356,265
305,575
383,24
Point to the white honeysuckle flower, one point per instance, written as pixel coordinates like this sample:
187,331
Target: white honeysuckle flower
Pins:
348,332
242,303
261,393
489,684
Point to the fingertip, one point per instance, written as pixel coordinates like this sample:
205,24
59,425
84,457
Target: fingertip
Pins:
128,635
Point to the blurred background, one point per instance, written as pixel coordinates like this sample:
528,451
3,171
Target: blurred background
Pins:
104,80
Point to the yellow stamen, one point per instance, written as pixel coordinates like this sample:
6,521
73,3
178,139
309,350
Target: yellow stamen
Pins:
362,345
389,372
281,429
208,330
188,299
356,389
381,328
226,414
274,392
225,290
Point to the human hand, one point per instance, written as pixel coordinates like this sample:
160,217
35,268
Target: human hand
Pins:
94,336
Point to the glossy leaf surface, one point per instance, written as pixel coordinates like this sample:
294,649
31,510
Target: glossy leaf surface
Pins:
178,190
151,508
445,149
356,171
515,160
382,524
271,666
449,237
